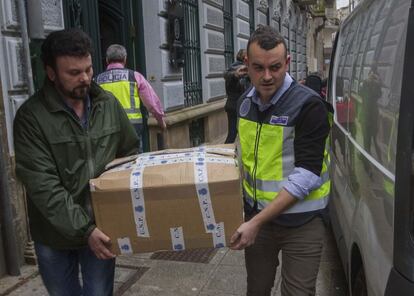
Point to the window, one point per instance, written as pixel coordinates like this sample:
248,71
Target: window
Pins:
192,65
251,15
228,33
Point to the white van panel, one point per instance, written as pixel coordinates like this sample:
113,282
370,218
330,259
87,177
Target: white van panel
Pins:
365,90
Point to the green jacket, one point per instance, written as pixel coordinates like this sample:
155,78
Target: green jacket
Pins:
56,157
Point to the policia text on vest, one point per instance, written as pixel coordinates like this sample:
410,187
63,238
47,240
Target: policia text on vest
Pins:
122,84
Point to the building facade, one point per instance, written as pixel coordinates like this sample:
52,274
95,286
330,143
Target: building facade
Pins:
181,46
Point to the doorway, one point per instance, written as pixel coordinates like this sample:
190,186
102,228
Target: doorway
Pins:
121,22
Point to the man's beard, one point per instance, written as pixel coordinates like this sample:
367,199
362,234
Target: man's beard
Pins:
80,92
77,93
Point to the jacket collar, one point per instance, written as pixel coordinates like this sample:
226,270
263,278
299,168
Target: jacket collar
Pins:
115,66
54,101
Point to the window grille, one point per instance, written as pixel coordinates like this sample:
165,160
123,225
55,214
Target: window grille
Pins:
228,33
196,131
251,16
192,64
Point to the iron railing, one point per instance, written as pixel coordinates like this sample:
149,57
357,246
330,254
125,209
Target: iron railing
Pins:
251,15
196,131
228,33
192,64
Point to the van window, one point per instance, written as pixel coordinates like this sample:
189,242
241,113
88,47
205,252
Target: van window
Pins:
368,78
346,48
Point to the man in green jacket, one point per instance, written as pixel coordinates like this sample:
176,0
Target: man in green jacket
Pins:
64,135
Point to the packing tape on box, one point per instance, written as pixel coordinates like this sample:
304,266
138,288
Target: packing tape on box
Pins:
200,158
219,236
203,192
138,203
186,156
177,238
124,245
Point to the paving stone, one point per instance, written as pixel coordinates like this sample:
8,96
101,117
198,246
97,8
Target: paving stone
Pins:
173,278
233,258
34,287
223,275
133,260
8,282
214,293
218,257
230,279
148,290
126,277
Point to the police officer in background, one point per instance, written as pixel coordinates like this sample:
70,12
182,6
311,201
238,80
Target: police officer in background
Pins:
130,88
237,82
283,128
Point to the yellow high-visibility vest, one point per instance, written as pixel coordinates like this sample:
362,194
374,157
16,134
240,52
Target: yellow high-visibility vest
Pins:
122,84
267,152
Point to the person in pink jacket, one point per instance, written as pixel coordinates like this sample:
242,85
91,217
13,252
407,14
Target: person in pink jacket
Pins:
130,88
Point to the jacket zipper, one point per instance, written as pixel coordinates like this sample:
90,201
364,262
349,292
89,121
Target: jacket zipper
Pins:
88,142
256,150
89,148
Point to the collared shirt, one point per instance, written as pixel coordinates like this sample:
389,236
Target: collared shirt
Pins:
85,115
278,94
146,93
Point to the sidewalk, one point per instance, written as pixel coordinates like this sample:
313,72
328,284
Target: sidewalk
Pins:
207,272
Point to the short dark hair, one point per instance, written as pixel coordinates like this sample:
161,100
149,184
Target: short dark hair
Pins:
70,42
241,55
267,37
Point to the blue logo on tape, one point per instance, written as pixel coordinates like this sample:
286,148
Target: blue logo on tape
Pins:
211,226
139,209
178,247
202,191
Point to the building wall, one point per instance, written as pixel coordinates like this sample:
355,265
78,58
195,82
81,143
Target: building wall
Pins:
315,45
212,49
241,24
13,92
168,81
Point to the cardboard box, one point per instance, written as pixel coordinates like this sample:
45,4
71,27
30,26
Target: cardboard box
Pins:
170,200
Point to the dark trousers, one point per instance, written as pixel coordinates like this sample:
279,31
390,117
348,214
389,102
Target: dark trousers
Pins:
301,249
138,129
231,127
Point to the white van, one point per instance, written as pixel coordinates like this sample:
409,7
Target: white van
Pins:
371,86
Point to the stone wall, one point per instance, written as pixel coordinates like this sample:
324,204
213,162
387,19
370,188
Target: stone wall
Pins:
13,92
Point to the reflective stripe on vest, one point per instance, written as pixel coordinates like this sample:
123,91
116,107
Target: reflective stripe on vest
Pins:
121,83
269,160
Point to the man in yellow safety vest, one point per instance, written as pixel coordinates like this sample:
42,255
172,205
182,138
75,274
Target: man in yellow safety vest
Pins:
283,128
130,88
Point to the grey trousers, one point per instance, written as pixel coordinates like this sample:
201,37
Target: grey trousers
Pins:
301,249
